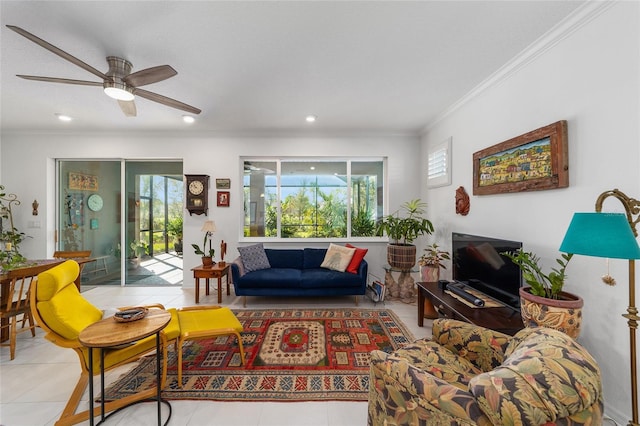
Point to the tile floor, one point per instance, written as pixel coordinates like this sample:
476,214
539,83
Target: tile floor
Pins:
35,386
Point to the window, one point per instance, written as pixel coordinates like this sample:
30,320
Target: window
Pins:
312,198
439,165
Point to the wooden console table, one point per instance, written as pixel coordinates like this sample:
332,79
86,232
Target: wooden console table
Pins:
503,319
209,272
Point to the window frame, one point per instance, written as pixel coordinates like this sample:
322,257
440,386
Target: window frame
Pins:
349,202
440,150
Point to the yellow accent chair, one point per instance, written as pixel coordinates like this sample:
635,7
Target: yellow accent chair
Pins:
62,312
203,322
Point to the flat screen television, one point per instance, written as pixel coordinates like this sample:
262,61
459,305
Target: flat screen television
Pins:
478,262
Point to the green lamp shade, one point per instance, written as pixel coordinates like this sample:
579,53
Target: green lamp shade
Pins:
601,235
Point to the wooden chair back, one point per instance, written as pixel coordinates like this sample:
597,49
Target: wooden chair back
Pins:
14,303
65,254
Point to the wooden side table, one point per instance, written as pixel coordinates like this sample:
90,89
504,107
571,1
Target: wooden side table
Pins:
109,333
207,272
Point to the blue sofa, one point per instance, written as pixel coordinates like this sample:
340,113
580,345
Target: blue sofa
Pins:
297,272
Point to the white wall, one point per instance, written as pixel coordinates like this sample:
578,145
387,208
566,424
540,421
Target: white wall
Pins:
591,79
28,170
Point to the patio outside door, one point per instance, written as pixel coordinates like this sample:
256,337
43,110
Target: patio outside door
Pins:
122,210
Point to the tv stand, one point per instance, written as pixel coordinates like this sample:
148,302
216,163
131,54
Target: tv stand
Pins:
503,319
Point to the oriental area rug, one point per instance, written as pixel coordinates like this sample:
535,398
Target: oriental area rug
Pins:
291,354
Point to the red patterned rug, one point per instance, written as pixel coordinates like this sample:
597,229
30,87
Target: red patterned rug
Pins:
292,355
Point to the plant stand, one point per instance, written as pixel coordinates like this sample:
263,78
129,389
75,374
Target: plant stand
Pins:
403,288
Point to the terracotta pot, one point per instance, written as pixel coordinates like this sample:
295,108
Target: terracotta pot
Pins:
207,260
564,314
401,256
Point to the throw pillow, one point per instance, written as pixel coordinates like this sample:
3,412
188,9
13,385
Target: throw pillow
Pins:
337,257
254,258
356,260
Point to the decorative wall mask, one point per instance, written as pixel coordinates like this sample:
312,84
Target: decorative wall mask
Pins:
462,201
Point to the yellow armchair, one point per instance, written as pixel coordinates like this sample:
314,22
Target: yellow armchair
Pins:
62,312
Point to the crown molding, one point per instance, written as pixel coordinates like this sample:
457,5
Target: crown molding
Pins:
580,17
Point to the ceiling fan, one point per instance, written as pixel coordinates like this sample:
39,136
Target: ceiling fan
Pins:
118,82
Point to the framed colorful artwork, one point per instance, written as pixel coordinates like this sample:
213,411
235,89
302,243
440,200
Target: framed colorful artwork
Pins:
533,161
82,182
223,198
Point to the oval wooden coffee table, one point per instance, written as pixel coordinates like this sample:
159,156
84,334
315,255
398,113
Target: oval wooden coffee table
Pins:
109,333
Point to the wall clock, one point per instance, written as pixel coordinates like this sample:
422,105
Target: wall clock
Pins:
95,202
197,194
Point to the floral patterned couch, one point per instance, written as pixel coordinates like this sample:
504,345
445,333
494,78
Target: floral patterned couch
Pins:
468,375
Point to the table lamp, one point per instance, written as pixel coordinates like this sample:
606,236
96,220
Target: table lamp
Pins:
611,235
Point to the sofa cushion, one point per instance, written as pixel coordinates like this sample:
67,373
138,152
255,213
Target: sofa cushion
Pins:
313,257
272,278
356,260
254,258
548,376
440,362
337,257
284,258
327,278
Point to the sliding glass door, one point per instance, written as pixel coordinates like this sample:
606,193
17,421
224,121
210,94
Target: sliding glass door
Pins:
128,213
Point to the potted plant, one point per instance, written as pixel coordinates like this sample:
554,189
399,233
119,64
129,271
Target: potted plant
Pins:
174,229
431,262
403,227
543,302
137,249
207,258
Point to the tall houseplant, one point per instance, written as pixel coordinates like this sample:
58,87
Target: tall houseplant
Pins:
174,229
10,236
543,302
403,227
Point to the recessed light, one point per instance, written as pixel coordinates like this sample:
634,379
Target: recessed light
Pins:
63,117
311,118
312,167
188,119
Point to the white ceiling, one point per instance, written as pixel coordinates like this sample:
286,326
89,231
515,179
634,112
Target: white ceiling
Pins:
361,66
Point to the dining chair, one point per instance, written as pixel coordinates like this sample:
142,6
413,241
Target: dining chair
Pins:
82,256
62,312
14,304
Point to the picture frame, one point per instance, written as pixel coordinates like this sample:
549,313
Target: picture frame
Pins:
223,198
83,182
223,183
537,160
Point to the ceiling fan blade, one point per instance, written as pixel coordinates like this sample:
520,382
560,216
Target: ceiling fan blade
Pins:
150,75
128,107
59,80
50,47
165,101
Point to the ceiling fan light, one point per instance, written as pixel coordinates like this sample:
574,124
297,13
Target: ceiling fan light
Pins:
119,93
63,117
188,119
